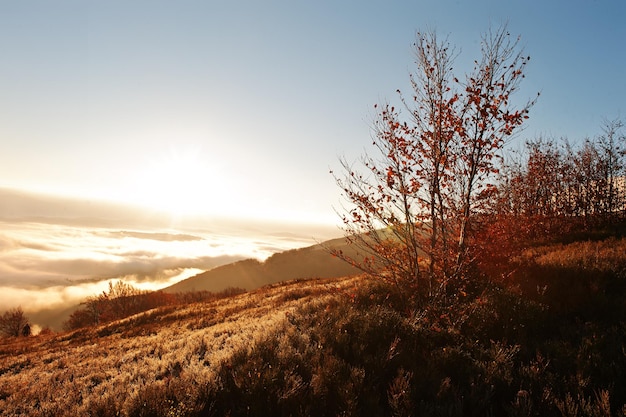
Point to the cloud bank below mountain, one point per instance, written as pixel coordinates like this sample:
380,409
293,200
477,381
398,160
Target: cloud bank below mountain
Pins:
54,252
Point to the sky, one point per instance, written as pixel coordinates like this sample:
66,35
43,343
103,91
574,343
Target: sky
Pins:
219,121
241,108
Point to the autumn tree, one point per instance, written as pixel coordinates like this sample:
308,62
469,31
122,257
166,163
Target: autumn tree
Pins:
410,214
543,184
121,300
14,323
81,317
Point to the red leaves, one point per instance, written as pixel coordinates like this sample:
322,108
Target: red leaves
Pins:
390,177
435,163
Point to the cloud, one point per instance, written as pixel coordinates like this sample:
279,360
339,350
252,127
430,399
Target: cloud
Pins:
34,299
53,266
165,237
47,255
55,252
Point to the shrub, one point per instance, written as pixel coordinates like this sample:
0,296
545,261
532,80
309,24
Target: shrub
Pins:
14,323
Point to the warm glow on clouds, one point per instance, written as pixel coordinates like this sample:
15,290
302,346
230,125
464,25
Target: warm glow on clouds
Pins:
54,251
33,299
49,254
44,255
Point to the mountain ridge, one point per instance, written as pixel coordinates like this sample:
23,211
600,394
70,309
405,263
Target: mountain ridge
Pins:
314,261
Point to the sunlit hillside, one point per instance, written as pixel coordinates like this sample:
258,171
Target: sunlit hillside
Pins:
311,262
549,342
127,365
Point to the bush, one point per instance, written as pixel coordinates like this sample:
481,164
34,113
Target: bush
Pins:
13,323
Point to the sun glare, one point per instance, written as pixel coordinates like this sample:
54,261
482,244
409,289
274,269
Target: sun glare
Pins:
177,182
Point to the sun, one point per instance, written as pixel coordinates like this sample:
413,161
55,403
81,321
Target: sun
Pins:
178,182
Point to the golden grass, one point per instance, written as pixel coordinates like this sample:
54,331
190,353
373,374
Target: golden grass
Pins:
603,256
74,373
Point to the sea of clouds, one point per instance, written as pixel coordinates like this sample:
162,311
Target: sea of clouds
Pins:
56,252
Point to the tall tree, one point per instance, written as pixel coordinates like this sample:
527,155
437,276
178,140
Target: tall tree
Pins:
411,213
488,120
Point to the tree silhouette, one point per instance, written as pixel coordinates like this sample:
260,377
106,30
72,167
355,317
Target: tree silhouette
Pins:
14,323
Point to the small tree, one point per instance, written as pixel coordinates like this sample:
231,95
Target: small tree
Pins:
14,323
124,299
121,300
411,215
79,318
612,149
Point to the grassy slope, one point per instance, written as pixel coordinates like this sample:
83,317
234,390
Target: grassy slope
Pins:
310,262
553,344
108,367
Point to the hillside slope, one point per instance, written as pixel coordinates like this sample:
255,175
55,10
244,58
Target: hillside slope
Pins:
94,371
310,262
550,342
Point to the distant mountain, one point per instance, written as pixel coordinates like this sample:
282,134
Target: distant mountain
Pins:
310,262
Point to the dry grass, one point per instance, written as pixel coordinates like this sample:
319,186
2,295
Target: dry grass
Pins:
348,346
602,256
110,367
583,279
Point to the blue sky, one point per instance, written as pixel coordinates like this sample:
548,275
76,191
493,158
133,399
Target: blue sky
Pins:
241,107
